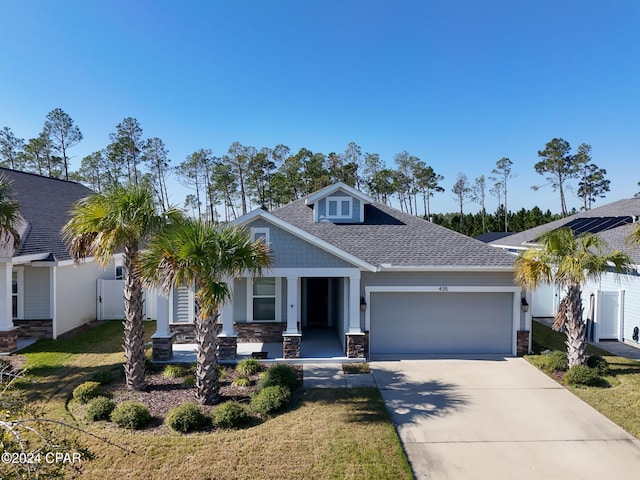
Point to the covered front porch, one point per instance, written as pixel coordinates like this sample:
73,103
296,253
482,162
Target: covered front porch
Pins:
286,315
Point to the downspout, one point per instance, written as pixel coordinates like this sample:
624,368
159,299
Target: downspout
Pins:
53,301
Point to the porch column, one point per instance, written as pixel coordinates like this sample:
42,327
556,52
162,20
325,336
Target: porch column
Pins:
226,313
293,310
292,338
354,303
162,340
8,333
228,338
355,337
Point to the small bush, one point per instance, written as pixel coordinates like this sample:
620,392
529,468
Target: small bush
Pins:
552,361
241,382
222,372
270,399
103,377
582,375
131,415
599,364
186,417
248,366
173,371
86,391
231,415
282,375
189,381
99,408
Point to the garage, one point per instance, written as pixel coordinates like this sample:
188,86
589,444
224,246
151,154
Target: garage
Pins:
441,322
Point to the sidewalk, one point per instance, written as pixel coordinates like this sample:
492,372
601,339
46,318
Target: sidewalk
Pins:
330,375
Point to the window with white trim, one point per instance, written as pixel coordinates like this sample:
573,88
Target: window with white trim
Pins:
264,299
17,291
14,295
260,232
339,207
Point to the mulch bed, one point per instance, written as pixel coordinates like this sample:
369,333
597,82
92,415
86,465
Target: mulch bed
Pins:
162,394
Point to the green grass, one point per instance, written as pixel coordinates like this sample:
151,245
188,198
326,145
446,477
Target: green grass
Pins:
620,402
56,367
325,434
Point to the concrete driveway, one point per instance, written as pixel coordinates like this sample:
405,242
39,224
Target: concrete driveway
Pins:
499,418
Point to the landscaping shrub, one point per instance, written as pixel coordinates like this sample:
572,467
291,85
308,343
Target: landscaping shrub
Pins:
187,417
173,371
86,391
103,377
99,408
131,415
248,366
283,375
270,399
189,381
599,364
555,360
582,375
241,382
231,415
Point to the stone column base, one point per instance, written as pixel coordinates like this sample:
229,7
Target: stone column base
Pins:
9,340
291,345
355,345
522,343
162,348
227,348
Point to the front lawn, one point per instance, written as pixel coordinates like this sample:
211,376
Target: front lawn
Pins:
621,400
325,434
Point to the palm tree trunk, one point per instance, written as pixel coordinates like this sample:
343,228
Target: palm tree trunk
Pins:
575,328
206,361
133,327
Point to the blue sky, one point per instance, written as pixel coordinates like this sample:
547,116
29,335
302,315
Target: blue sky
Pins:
458,83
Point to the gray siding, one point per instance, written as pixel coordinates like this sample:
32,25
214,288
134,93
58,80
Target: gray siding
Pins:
437,279
290,251
240,300
37,294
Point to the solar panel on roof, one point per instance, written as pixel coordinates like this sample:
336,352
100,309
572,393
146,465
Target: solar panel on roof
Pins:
596,224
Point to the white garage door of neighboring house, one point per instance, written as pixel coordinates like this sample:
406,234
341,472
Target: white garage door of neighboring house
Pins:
441,323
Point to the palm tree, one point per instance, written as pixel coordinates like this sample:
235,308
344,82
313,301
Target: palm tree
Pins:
9,215
568,261
102,224
201,255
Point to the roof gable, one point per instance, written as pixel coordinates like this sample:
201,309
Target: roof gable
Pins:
335,189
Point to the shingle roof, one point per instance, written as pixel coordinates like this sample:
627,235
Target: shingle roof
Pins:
615,238
45,204
389,236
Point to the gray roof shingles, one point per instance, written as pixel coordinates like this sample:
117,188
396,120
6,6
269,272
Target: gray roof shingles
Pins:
615,238
45,204
391,236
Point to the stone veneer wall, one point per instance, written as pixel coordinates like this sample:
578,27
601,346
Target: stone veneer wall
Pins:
522,343
260,332
34,328
291,346
356,346
183,333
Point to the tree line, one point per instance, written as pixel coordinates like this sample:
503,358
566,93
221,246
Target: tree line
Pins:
245,177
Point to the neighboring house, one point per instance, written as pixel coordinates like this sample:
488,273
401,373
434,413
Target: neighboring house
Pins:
611,304
42,294
386,282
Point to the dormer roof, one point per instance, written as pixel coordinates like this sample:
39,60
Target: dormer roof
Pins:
335,188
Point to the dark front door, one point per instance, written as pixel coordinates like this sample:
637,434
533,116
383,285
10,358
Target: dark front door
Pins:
317,302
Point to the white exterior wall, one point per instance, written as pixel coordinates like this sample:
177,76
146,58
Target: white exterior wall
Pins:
614,283
75,301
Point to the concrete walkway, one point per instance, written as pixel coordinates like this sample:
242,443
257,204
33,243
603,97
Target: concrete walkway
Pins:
499,419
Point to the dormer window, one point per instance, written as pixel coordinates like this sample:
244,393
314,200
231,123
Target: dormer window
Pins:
339,207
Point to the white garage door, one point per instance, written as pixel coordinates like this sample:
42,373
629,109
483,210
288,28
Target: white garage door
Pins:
451,322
